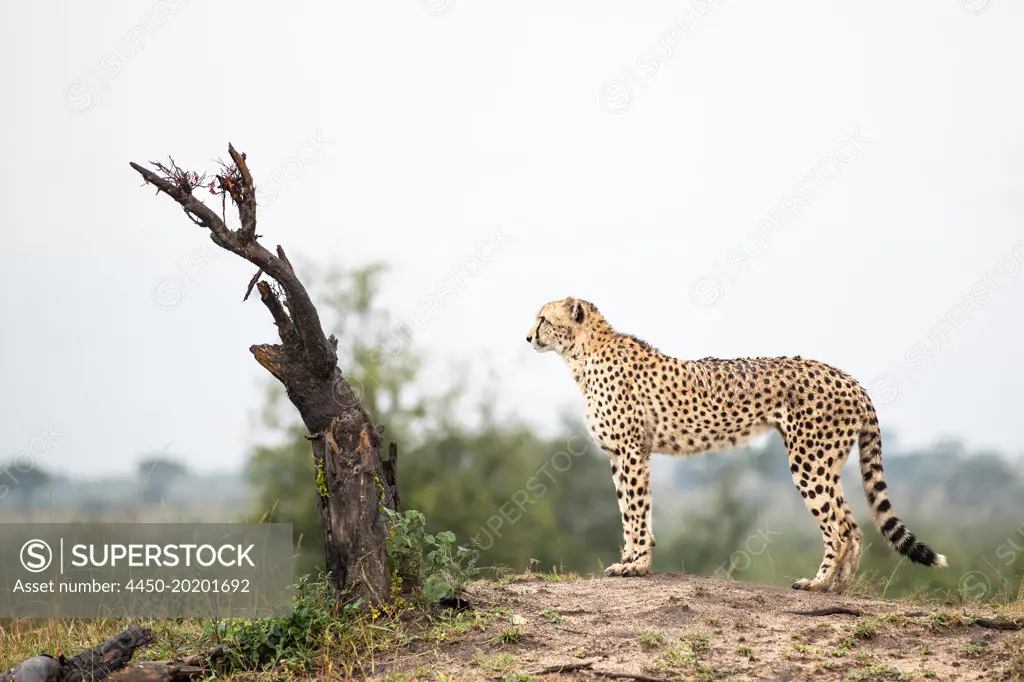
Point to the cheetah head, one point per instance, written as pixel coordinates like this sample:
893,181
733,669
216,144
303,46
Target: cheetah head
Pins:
559,324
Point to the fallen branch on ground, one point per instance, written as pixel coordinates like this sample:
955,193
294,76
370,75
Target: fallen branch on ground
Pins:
990,623
829,611
93,664
999,624
589,667
159,671
178,670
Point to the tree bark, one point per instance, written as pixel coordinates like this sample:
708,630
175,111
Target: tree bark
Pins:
351,484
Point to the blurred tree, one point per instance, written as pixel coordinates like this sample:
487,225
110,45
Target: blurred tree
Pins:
156,474
517,496
485,477
24,485
721,538
980,479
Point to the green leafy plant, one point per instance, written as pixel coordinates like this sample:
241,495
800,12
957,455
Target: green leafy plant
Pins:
650,639
552,615
259,643
510,635
432,562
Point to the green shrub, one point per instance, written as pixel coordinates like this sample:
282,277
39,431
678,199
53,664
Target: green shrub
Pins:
293,640
431,562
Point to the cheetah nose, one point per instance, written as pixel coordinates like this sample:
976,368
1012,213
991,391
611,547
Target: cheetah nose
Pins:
529,339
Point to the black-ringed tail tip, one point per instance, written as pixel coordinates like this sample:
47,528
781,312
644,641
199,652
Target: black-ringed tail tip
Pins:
875,488
904,542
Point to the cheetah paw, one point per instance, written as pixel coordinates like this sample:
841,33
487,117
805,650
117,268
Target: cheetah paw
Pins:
626,570
809,585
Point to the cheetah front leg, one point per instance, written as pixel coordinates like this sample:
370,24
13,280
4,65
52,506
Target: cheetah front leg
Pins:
632,485
622,489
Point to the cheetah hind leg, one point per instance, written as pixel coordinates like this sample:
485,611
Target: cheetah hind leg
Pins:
841,573
843,569
849,560
824,499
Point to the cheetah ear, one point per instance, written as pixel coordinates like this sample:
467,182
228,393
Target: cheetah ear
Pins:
577,312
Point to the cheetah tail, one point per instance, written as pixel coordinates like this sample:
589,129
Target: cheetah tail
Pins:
901,539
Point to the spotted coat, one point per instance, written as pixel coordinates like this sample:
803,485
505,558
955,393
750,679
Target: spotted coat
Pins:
640,401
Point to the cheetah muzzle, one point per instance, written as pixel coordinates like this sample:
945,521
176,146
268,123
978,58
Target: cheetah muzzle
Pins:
640,401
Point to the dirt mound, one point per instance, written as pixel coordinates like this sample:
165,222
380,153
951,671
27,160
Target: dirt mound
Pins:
694,628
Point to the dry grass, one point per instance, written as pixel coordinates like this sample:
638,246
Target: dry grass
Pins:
21,639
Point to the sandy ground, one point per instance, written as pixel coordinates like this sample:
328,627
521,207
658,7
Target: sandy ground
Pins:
696,628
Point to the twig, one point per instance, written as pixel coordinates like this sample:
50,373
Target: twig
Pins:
252,283
285,328
158,671
244,196
829,611
628,676
891,576
206,657
990,623
589,667
999,624
282,256
563,668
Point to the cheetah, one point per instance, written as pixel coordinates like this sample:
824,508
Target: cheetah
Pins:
640,401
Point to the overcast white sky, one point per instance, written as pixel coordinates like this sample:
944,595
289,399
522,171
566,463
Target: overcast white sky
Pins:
625,152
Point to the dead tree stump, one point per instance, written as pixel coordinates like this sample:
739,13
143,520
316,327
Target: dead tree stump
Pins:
352,484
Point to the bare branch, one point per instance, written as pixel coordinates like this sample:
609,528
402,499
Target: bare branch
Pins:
200,213
244,196
252,283
235,181
285,328
269,357
282,256
830,611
